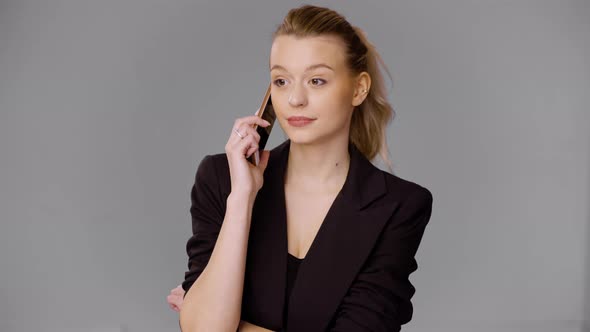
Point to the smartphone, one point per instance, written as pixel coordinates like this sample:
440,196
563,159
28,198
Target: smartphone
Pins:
266,112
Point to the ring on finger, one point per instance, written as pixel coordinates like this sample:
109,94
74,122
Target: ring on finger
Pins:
237,132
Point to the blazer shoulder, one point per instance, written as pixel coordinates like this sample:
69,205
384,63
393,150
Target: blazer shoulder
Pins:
214,168
403,190
415,207
217,159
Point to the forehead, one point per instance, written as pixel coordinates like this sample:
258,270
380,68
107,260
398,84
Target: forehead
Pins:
295,54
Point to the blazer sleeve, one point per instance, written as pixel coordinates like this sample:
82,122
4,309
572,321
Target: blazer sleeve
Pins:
379,297
207,213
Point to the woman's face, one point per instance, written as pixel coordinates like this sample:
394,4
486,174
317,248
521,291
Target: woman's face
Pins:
309,78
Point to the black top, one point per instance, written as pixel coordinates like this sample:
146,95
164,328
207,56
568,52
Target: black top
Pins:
292,267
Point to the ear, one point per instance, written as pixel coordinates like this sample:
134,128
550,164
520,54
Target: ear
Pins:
361,88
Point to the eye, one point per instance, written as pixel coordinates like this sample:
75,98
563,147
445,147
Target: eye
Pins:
280,80
318,79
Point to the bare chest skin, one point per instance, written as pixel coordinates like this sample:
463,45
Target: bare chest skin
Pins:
305,214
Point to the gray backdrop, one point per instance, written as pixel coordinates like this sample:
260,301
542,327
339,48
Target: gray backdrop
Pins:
106,108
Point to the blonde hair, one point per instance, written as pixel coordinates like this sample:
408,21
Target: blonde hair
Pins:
371,117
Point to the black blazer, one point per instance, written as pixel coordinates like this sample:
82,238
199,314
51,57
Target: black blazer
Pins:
355,274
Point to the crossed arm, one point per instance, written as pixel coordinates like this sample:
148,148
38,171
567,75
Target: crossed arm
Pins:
176,297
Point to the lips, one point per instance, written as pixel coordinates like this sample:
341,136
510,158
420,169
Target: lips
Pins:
299,118
299,121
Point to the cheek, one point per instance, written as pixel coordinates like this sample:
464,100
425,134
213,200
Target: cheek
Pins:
335,104
341,95
279,104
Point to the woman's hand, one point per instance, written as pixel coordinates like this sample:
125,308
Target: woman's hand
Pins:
176,298
245,177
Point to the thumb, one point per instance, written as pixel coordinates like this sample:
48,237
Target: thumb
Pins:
264,159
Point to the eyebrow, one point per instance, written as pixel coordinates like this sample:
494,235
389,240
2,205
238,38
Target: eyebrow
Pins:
312,67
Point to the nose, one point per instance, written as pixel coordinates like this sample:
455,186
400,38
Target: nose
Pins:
297,97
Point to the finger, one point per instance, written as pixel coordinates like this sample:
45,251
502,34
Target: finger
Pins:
255,120
253,149
176,298
236,139
247,130
239,143
247,144
250,121
176,304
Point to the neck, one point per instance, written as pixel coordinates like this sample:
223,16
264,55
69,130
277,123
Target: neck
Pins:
321,167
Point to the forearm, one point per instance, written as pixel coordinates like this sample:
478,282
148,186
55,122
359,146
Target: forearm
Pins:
214,301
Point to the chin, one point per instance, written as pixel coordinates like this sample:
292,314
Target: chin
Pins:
299,138
307,138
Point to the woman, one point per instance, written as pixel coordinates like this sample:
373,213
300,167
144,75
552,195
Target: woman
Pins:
315,238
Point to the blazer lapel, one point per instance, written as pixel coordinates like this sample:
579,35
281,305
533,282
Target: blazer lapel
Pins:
343,242
341,246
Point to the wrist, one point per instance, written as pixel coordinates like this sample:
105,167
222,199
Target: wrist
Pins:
241,197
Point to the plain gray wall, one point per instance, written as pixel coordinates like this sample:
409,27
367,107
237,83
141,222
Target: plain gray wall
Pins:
106,108
586,311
